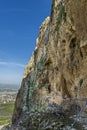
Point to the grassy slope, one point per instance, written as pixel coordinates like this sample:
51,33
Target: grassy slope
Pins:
6,113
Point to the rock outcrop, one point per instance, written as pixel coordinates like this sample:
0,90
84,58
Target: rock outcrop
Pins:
57,68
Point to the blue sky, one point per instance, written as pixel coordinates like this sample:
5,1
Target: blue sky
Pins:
19,26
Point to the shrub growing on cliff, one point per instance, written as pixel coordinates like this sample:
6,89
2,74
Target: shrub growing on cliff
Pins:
61,15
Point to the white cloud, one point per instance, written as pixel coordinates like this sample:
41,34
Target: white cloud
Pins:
12,63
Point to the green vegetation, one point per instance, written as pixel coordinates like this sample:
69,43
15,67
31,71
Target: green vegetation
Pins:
32,85
6,111
61,15
39,107
81,82
27,98
40,64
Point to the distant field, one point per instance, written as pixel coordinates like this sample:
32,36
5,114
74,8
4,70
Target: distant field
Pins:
6,111
7,93
8,89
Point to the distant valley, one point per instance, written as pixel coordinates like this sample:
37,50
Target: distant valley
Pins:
8,89
7,99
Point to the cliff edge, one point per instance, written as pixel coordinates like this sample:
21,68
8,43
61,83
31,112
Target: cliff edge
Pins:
57,69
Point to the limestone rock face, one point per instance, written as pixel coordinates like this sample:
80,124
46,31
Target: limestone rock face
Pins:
58,66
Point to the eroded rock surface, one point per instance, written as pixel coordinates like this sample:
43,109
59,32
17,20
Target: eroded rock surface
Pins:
58,67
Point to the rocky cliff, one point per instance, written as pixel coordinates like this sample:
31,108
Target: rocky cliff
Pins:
57,70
